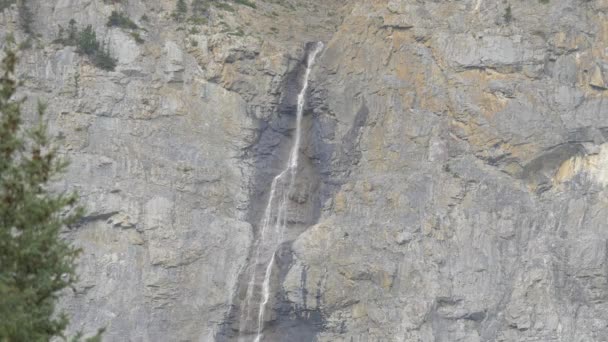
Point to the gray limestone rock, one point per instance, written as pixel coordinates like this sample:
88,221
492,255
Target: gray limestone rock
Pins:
452,184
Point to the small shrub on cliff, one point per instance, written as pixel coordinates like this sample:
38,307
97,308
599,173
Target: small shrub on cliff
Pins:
508,14
181,10
87,41
138,39
72,33
26,17
35,262
102,59
87,44
6,4
120,19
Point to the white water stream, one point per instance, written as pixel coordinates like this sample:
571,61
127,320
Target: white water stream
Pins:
274,221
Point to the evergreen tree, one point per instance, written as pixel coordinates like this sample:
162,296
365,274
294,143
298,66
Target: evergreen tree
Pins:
35,263
181,10
508,14
26,17
72,33
102,59
87,41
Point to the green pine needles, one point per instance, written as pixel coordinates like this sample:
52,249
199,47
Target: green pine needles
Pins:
181,10
35,262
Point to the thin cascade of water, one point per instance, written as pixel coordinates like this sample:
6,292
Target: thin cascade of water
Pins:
275,219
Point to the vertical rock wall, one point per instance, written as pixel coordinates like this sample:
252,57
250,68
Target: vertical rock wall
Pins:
459,158
463,152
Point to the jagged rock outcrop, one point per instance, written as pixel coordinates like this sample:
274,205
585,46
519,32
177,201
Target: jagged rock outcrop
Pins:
458,151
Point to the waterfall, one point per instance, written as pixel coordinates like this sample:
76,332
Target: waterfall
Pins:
273,224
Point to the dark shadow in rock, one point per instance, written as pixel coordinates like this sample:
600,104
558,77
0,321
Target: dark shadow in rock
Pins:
538,172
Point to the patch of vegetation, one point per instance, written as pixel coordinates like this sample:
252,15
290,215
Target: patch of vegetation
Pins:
77,80
87,44
181,10
246,3
138,39
87,41
26,17
544,1
6,4
197,20
103,60
224,6
144,18
120,19
508,16
72,34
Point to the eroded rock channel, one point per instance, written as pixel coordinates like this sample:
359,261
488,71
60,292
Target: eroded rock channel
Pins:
261,311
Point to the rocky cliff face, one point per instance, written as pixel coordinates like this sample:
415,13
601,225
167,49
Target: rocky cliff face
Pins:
453,187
